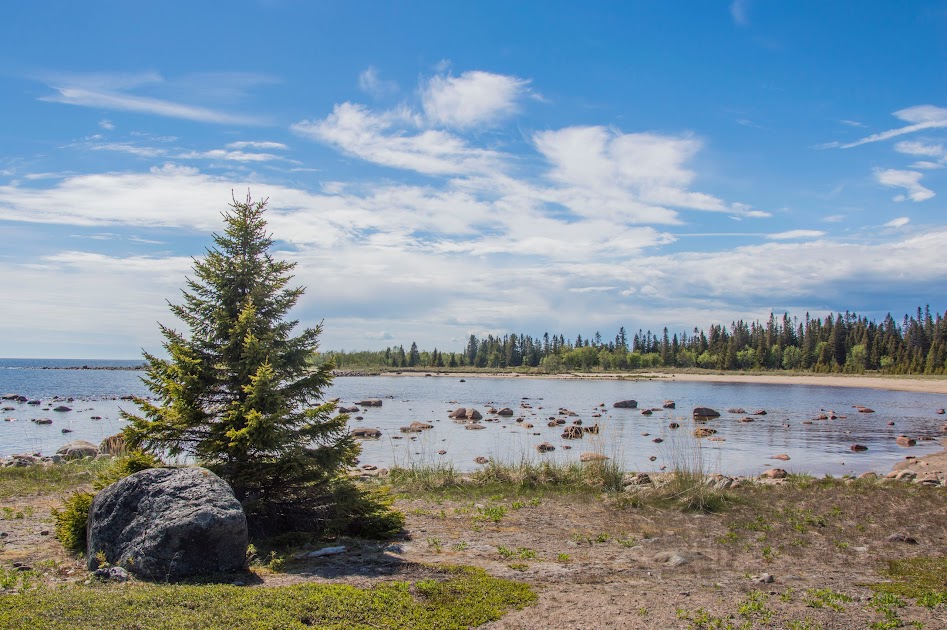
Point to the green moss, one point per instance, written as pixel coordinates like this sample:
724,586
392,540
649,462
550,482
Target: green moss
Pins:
463,598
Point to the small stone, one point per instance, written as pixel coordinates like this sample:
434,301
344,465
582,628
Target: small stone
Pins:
112,574
902,538
670,558
764,578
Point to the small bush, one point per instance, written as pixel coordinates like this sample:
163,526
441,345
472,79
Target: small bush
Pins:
129,464
71,521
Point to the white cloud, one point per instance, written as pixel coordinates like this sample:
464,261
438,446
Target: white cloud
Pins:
475,98
230,156
107,124
910,181
132,149
900,222
377,138
795,234
147,105
635,177
591,289
758,214
912,147
113,91
921,117
927,165
263,146
371,83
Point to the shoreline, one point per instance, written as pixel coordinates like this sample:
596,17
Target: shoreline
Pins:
890,383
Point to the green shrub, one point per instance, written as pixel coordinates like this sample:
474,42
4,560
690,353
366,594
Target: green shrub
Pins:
71,521
128,464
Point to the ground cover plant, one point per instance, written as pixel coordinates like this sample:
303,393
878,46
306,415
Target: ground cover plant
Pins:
458,598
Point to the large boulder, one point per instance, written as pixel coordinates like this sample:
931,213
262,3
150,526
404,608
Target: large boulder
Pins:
78,449
626,404
166,523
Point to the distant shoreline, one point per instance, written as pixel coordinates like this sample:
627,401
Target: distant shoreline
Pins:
892,383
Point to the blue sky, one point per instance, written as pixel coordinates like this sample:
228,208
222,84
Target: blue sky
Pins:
441,168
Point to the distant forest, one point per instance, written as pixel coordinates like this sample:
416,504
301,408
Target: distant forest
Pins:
839,343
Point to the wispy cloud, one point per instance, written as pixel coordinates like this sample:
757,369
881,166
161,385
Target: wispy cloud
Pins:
900,222
263,146
376,138
115,92
131,149
370,82
913,147
921,117
107,125
795,234
230,156
910,181
147,105
738,11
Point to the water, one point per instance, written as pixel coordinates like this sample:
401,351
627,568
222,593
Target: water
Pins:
822,447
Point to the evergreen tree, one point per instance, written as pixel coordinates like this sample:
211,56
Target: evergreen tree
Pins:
414,357
238,394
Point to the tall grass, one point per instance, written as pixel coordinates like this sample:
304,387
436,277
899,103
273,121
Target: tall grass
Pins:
524,474
688,486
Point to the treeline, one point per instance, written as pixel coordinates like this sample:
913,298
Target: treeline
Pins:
837,343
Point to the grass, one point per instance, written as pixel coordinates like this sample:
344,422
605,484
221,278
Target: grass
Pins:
923,579
60,478
464,598
525,476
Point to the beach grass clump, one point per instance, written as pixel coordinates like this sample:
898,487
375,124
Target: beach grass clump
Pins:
688,486
511,477
458,597
425,478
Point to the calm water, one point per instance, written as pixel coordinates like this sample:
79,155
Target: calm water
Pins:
822,447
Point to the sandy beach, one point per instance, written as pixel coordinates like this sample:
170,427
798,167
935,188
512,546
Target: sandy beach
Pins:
925,385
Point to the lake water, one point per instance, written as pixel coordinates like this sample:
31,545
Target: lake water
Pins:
820,447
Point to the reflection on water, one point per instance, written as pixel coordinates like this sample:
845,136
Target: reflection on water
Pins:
789,427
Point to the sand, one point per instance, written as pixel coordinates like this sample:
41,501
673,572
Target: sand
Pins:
925,385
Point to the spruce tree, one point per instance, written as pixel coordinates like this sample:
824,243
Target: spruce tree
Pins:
238,394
